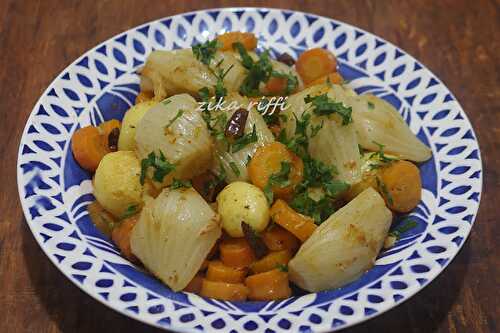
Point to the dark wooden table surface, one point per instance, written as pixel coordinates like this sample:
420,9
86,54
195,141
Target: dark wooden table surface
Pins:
456,39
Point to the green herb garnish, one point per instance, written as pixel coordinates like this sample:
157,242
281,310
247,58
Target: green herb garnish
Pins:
205,52
371,106
381,157
177,116
258,71
131,211
316,174
385,192
323,106
282,267
179,183
245,140
410,224
235,168
161,166
291,81
279,179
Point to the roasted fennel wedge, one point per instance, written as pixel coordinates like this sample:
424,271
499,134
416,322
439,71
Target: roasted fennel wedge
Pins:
344,246
174,130
174,235
335,143
234,163
378,122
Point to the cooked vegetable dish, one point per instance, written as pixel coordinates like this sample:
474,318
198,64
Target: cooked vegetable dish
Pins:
236,175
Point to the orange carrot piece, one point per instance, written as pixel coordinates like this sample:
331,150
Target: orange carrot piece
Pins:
276,86
121,236
194,286
223,290
267,161
144,96
333,78
103,220
236,252
268,286
227,40
217,271
271,261
278,239
299,225
315,63
106,127
88,147
401,181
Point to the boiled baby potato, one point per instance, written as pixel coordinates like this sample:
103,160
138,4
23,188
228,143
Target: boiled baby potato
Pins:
242,202
343,247
129,124
116,182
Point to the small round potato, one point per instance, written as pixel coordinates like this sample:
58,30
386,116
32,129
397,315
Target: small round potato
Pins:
242,202
129,124
116,182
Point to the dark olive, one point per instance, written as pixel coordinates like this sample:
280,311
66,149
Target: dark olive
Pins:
235,127
113,139
286,59
258,246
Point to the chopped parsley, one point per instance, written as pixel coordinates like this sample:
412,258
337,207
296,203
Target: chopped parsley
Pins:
166,102
131,211
371,106
323,106
219,89
279,179
381,157
177,116
179,183
282,267
258,71
291,81
408,225
317,174
235,168
205,52
245,140
385,192
159,163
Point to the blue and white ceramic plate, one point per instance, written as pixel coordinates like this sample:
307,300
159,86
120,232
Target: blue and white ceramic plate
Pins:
103,83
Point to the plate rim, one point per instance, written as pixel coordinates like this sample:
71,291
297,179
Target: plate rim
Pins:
318,328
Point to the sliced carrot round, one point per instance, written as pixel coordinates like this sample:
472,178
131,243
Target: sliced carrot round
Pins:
107,126
401,181
217,271
315,63
121,236
268,286
268,160
227,40
277,239
223,290
236,252
299,225
271,261
333,78
89,147
194,286
276,86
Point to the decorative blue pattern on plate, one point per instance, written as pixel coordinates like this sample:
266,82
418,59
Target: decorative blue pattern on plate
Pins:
102,85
